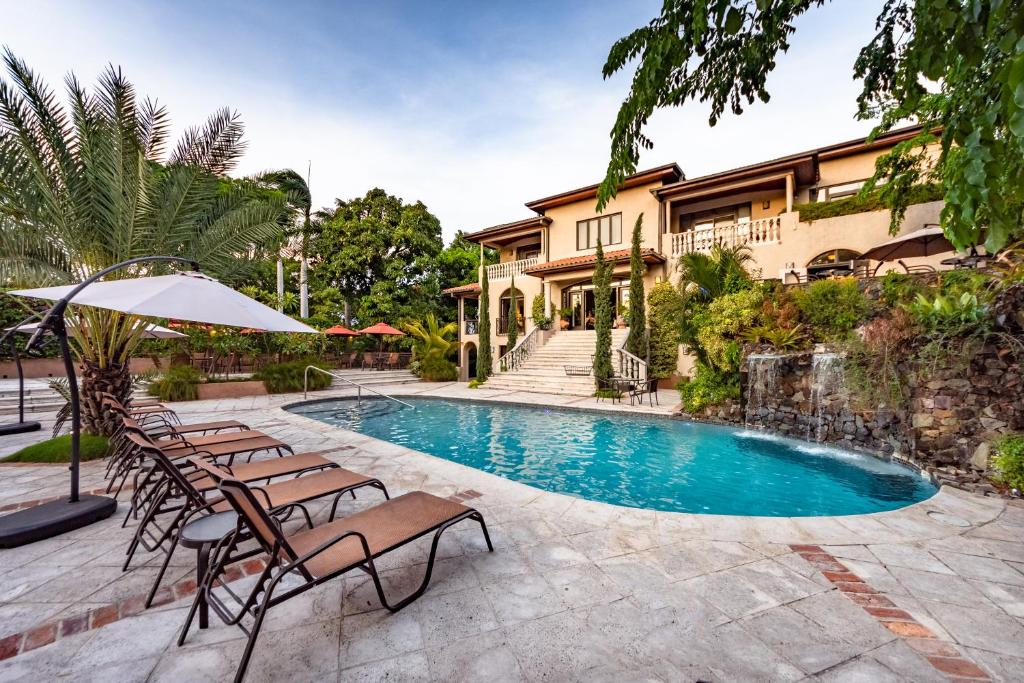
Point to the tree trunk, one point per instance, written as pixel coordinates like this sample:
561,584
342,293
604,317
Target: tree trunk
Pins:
113,379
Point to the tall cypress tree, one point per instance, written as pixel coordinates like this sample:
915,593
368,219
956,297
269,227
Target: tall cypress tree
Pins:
513,318
483,357
602,317
636,317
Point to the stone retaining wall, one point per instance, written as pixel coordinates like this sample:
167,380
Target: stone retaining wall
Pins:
946,427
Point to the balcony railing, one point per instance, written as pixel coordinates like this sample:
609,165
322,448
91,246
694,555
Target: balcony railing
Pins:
505,270
472,326
753,234
501,325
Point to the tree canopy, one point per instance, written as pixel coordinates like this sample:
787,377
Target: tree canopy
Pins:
956,68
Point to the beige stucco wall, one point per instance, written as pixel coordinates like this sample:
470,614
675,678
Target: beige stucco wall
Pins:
802,241
630,203
776,204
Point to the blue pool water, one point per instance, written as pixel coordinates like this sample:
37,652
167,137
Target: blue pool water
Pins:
637,461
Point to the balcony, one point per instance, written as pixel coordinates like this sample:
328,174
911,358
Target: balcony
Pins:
505,270
471,326
753,234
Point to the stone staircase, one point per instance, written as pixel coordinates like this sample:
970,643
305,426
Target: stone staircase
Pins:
544,371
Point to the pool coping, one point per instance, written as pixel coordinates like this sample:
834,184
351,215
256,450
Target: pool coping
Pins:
908,523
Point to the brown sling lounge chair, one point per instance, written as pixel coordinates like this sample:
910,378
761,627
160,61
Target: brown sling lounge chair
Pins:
314,556
183,493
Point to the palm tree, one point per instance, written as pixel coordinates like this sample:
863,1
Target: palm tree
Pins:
431,340
708,276
300,200
89,184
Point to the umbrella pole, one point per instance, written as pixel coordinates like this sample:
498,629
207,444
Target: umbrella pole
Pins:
19,427
61,516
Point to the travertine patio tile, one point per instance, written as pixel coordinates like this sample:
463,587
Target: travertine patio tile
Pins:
876,576
775,580
981,568
863,669
554,555
446,618
716,555
904,555
560,647
844,619
523,598
938,587
379,635
983,628
1000,666
583,585
732,593
801,641
1009,598
604,543
486,657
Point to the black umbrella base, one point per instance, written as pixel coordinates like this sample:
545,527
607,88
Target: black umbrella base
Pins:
19,428
53,519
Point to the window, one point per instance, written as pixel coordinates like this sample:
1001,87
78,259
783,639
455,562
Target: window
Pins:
607,228
715,218
527,251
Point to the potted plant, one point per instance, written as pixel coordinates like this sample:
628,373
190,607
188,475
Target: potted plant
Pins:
564,318
620,319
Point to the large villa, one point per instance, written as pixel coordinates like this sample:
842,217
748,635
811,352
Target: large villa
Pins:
552,252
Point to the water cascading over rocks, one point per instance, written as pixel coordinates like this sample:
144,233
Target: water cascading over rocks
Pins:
762,384
828,392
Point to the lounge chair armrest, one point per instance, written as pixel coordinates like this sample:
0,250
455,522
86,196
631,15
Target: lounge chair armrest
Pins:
325,546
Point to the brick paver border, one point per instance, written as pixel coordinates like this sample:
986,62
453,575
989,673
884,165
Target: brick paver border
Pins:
942,655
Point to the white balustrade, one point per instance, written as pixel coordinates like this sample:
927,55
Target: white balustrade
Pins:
506,269
754,234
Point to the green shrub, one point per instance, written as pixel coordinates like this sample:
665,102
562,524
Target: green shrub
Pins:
283,378
476,383
58,449
665,307
709,387
179,383
833,307
608,393
900,288
1009,461
873,201
436,369
539,318
721,324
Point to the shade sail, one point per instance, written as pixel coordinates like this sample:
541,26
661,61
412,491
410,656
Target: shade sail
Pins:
923,242
382,329
182,296
341,330
152,331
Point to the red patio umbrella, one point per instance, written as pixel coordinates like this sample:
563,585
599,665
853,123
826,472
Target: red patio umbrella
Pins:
382,330
341,330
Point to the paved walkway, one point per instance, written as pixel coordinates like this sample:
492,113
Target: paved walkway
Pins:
575,589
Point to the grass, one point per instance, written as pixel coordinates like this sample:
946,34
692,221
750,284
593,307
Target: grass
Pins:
59,450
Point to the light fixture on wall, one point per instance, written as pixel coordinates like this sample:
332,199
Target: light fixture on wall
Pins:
766,204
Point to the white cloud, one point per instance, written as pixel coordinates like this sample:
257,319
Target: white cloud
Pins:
474,144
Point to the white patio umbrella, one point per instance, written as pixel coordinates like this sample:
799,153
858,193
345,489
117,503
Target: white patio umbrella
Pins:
181,296
152,331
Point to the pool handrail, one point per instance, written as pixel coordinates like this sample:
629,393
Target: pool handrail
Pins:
359,387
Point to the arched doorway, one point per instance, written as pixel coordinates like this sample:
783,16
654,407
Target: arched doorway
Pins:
834,262
505,306
469,360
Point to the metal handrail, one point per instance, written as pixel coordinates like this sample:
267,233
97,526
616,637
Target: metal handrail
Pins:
359,387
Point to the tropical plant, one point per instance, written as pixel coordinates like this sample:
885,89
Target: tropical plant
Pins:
779,338
948,314
283,378
666,309
484,359
602,318
513,317
540,317
179,383
832,308
957,68
703,277
1009,461
636,340
89,185
719,327
709,387
433,340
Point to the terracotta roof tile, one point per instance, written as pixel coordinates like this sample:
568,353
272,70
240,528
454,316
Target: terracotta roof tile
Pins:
463,289
648,255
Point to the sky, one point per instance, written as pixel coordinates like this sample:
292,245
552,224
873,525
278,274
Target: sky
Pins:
473,108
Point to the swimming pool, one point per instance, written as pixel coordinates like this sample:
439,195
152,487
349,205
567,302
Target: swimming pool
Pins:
636,461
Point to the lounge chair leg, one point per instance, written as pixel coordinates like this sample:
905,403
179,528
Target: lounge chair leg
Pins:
483,527
244,664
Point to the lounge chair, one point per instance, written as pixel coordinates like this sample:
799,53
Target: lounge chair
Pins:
182,490
313,556
177,427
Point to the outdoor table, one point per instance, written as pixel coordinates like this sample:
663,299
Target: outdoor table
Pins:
201,535
964,262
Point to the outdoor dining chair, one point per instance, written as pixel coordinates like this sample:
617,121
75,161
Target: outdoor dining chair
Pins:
311,557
